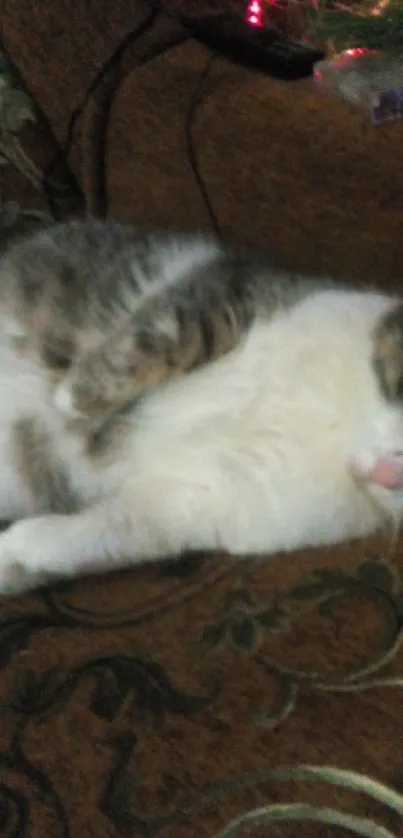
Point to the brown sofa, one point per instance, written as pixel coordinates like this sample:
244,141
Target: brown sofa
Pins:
159,702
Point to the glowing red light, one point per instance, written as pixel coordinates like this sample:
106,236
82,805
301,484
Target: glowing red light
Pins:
254,12
356,51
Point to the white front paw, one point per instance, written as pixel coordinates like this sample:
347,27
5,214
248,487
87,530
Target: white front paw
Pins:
26,554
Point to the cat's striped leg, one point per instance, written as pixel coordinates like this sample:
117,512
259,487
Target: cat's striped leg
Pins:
173,331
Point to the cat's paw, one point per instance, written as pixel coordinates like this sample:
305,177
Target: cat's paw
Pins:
388,354
25,555
385,471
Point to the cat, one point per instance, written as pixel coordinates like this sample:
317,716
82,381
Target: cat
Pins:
161,393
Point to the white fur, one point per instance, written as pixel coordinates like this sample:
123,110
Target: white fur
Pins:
252,454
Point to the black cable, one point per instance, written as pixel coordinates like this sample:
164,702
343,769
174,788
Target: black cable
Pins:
194,105
63,154
190,23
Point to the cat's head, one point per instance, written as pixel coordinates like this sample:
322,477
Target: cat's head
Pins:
57,338
60,343
57,288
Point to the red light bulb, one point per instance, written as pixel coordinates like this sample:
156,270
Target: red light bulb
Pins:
254,12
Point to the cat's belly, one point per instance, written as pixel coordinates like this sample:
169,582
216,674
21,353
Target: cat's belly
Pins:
257,499
266,435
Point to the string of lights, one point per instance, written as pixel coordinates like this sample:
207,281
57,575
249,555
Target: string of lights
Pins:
255,12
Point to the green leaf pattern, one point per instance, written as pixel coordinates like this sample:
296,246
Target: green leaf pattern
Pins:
16,111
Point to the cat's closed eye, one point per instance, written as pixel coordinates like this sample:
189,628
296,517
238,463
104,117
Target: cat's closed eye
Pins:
59,360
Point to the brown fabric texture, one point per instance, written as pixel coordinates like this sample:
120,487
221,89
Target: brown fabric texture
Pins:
158,703
305,177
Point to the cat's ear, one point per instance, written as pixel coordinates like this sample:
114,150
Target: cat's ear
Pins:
388,354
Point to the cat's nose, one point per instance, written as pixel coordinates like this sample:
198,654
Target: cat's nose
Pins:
64,401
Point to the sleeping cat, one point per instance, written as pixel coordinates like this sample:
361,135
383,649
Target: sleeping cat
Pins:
162,393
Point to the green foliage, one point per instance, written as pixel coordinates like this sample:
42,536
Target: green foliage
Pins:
343,27
15,104
15,109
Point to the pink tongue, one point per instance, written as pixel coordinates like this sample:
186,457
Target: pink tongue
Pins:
388,473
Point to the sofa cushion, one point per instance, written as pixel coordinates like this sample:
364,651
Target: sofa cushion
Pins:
286,168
